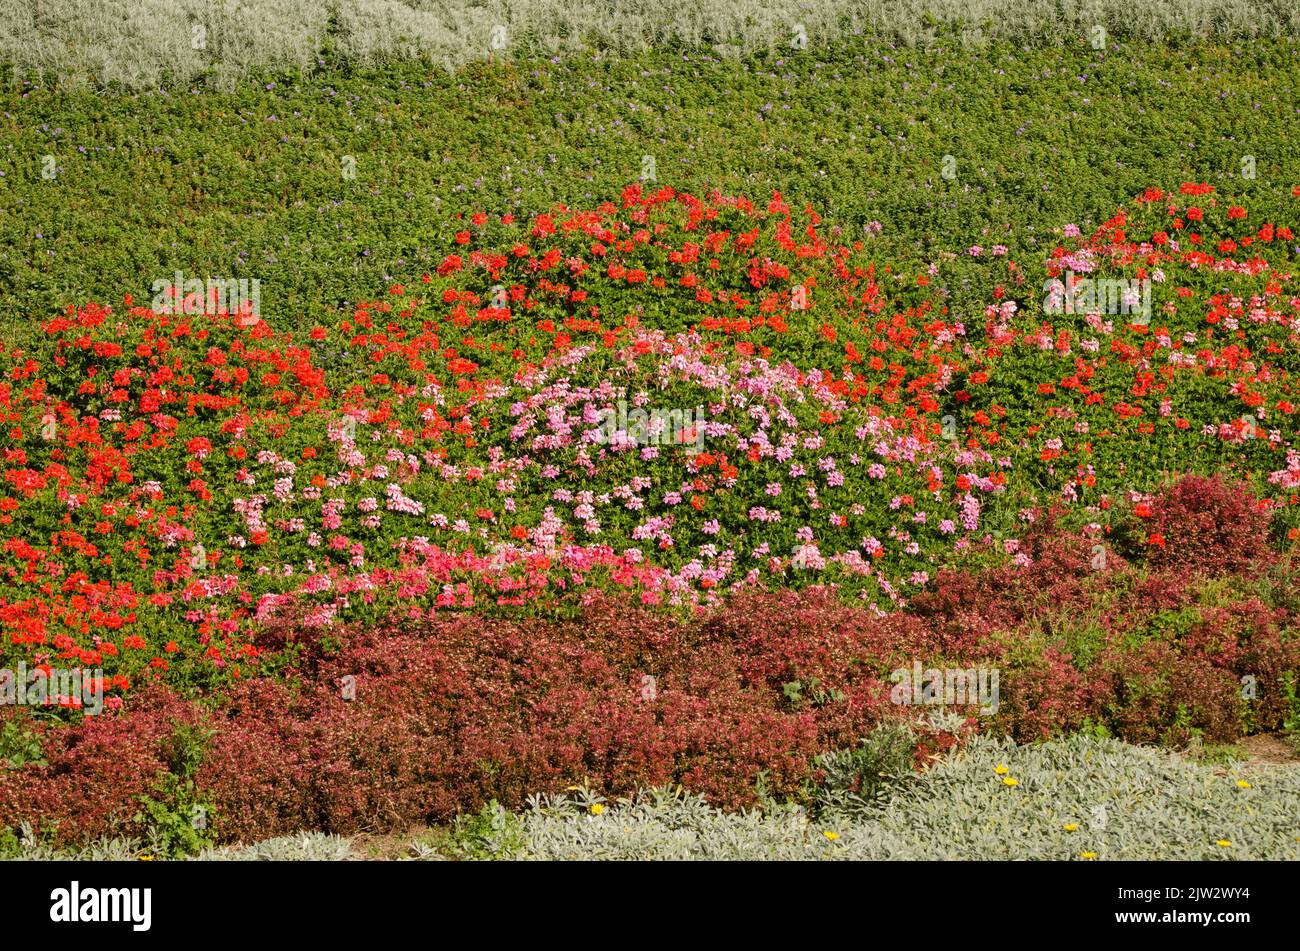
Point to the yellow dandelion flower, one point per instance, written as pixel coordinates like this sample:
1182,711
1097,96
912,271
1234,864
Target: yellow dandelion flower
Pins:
1001,770
1010,781
1071,827
832,836
146,858
1242,784
597,808
1087,855
1223,842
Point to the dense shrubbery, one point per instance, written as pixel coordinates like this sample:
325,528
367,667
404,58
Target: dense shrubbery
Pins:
356,566
1204,525
193,476
194,503
456,711
249,184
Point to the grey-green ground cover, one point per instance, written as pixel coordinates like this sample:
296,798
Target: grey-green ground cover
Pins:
141,44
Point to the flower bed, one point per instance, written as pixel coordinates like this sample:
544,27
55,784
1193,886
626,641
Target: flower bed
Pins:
661,491
382,726
174,481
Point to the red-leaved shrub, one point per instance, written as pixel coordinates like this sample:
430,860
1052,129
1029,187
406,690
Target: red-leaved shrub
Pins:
1209,525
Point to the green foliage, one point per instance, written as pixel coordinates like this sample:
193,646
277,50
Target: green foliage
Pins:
492,833
186,747
1095,729
816,695
855,782
19,745
177,821
248,183
175,816
1213,754
1083,638
10,843
1181,730
1292,723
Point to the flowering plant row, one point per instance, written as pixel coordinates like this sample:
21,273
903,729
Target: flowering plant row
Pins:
674,396
379,726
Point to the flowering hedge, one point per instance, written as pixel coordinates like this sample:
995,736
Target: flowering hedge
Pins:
174,482
381,726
